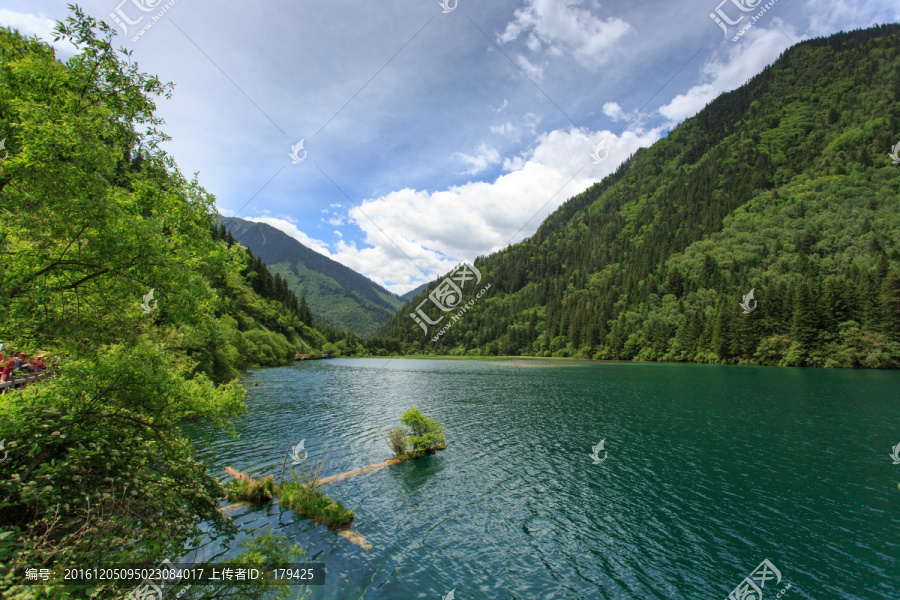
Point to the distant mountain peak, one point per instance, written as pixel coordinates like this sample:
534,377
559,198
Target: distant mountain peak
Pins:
334,292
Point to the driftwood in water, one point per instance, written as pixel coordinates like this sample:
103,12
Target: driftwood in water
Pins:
369,469
355,538
237,475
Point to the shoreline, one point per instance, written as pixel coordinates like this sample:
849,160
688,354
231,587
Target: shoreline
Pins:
598,361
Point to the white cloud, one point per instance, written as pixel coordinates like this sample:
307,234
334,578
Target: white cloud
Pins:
436,230
289,228
502,107
758,48
36,25
485,156
828,16
533,71
527,124
565,26
614,111
505,129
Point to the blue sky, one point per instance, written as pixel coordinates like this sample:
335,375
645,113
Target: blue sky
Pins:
433,137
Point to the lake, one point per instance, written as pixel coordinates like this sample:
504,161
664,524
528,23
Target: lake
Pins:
709,471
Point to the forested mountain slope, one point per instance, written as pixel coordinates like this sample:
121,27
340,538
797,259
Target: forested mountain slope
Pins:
335,293
784,186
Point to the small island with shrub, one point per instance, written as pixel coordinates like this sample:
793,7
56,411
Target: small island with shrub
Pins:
304,497
420,437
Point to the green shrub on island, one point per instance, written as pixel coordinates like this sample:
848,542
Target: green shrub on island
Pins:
397,441
303,495
422,436
309,501
255,491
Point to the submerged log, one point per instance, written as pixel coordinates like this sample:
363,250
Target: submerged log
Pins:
234,507
237,475
369,469
355,538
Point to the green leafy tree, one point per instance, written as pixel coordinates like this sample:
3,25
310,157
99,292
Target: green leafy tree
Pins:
422,435
93,216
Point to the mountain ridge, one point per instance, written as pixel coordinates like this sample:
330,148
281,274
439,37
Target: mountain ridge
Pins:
782,185
339,295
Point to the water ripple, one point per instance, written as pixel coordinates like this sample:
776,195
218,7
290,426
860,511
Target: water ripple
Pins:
709,471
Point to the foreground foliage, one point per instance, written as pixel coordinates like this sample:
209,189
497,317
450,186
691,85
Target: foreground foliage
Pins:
93,217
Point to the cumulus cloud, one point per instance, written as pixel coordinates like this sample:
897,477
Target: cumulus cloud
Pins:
485,156
828,16
533,71
758,48
410,231
527,124
614,111
565,26
38,26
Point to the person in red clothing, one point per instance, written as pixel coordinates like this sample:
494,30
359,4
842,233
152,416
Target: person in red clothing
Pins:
7,370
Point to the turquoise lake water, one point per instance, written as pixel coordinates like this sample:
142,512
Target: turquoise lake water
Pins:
708,472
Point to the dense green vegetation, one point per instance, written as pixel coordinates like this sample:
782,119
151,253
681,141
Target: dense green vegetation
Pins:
336,294
421,436
257,491
92,217
783,185
303,495
309,501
